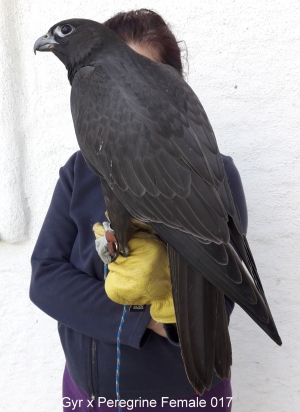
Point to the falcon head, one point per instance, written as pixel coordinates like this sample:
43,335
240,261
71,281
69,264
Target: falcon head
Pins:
74,41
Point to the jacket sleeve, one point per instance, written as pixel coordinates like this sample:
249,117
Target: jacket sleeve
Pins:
67,294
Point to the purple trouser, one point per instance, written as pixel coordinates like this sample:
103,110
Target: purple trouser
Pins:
218,399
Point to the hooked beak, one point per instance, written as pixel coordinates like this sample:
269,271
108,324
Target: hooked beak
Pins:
44,43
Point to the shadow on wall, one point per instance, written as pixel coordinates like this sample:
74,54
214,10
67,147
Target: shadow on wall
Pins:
13,204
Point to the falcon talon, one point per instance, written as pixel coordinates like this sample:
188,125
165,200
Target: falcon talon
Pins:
112,243
107,227
126,251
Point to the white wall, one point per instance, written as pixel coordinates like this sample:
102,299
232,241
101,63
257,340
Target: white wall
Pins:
244,66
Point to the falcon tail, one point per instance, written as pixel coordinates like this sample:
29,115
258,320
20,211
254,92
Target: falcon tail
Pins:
201,323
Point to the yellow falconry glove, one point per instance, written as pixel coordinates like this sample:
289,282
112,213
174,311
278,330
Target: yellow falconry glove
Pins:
142,278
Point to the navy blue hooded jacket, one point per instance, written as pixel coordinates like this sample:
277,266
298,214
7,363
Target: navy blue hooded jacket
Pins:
67,283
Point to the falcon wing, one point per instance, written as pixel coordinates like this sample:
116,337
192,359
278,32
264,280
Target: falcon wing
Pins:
153,143
141,127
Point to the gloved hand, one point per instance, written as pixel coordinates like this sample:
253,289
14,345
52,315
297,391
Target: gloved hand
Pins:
143,278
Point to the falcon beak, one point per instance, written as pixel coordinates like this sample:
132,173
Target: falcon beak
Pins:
44,43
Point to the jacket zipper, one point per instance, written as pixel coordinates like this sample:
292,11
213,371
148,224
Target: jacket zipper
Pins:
93,366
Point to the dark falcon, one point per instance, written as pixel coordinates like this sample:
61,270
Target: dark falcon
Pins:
142,129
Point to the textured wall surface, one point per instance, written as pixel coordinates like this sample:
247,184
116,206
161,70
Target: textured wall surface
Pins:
244,65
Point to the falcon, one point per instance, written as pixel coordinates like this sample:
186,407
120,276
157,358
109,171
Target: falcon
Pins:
142,129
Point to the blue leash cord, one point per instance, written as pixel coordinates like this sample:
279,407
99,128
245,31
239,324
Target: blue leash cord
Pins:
125,308
119,355
105,272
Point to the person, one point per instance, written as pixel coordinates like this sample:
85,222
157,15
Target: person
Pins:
68,280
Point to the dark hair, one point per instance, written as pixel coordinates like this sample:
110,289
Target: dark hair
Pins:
148,28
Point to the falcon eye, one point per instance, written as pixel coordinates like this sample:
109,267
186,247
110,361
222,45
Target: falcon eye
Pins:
66,29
